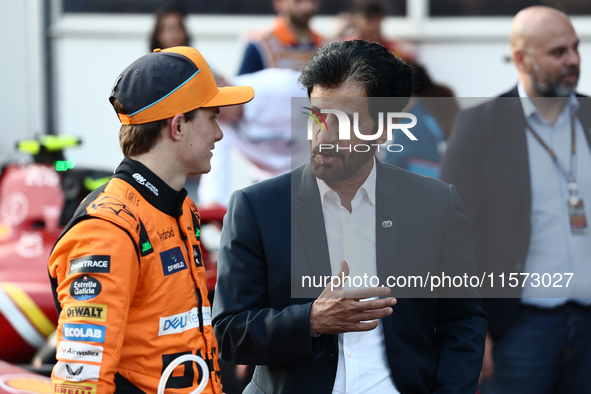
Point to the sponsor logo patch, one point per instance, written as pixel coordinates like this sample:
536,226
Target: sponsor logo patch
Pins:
172,261
142,181
74,388
197,255
89,264
75,372
79,352
85,288
84,332
182,322
131,196
86,312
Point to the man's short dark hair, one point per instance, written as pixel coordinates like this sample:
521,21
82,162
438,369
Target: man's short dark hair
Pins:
367,64
136,139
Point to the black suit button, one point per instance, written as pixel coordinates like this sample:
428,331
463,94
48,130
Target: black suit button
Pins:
330,357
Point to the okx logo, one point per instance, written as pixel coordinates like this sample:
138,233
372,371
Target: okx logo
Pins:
344,124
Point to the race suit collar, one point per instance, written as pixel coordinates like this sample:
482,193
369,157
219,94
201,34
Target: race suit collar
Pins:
151,187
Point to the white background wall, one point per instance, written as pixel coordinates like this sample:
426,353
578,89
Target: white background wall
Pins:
21,74
468,54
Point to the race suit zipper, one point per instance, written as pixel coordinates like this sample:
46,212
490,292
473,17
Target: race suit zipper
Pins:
197,292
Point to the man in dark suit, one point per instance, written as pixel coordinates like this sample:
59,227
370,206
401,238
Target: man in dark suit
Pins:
347,213
519,199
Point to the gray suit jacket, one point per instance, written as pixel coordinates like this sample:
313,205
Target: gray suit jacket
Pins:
433,346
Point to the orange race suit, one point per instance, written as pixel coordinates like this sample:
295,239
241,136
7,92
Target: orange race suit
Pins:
130,290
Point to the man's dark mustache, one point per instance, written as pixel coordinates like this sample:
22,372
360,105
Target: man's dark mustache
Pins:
328,152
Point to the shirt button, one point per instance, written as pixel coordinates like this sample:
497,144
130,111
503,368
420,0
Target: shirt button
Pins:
348,221
349,354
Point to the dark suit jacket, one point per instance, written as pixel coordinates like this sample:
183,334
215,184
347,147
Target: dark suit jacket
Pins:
433,346
487,161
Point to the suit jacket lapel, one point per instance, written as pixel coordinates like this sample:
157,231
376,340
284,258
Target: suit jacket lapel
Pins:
513,128
387,223
585,117
311,220
387,230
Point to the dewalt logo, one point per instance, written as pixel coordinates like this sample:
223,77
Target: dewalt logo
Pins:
86,312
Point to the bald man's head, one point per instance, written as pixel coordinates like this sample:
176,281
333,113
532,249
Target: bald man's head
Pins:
531,24
545,51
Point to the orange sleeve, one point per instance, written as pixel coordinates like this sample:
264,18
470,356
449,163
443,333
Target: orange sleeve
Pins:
97,269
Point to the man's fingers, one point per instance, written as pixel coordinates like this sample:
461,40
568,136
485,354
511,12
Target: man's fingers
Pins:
370,292
373,315
364,326
376,304
344,268
336,283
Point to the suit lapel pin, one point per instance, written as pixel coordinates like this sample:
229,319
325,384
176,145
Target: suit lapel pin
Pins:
387,223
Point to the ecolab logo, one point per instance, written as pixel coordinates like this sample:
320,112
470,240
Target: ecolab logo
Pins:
84,332
345,128
182,322
142,181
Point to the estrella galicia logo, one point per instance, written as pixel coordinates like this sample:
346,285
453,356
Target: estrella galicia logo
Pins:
84,332
172,261
85,288
197,256
92,263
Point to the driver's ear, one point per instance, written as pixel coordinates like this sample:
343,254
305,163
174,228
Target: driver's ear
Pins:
174,128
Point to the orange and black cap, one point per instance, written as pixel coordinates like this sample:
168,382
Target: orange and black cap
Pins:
168,82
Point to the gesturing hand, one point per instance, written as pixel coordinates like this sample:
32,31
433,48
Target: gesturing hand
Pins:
337,311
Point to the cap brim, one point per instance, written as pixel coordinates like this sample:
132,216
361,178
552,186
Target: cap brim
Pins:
231,95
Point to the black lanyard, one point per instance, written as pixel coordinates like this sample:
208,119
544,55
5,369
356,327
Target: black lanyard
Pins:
569,175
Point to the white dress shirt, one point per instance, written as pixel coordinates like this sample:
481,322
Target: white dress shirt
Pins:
362,364
553,248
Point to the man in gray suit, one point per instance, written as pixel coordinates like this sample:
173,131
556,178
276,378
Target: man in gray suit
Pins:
347,213
517,162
